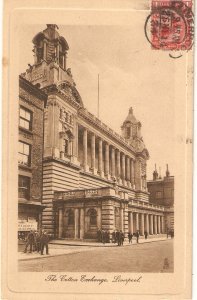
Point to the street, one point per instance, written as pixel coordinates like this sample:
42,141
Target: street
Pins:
147,257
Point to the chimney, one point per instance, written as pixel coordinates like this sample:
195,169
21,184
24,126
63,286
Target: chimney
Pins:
167,171
155,174
159,172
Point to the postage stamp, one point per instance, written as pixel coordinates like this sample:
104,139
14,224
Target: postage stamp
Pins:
170,25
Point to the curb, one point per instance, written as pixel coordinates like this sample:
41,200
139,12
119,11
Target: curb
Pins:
106,246
61,254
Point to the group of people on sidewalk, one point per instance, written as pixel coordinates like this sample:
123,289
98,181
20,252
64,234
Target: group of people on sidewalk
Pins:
37,242
118,236
103,236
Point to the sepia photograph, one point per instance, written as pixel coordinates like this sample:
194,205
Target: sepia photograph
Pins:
85,184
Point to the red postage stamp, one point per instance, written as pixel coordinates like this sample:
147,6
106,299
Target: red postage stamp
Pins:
170,26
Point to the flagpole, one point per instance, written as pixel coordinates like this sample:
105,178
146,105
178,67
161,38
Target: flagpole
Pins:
98,99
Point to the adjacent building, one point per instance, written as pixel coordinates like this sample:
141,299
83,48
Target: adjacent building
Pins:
30,154
162,193
93,178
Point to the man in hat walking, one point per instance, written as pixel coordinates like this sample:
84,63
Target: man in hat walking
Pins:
44,240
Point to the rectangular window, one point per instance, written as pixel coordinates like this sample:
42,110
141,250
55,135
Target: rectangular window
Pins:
25,118
24,187
24,154
158,195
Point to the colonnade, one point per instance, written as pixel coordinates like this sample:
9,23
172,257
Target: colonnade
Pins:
151,223
144,222
112,162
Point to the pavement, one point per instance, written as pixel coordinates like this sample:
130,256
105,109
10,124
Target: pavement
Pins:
149,257
64,246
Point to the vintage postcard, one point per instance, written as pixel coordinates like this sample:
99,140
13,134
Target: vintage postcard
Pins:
97,182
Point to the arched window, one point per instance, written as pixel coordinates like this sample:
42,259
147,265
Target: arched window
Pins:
128,132
71,217
93,217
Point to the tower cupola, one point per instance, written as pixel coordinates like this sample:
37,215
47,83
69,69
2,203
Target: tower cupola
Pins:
49,46
131,127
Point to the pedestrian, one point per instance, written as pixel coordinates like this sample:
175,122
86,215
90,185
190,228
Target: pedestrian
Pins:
103,236
44,240
34,240
107,236
130,237
118,237
37,241
137,236
29,241
146,234
121,238
99,235
113,237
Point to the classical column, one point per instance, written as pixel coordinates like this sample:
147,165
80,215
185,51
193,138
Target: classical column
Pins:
60,231
75,142
151,224
159,224
128,171
123,169
100,158
137,221
82,223
85,139
155,224
76,222
142,224
93,152
131,222
65,56
112,162
162,225
99,218
107,159
45,51
39,221
147,223
57,53
118,166
122,219
132,173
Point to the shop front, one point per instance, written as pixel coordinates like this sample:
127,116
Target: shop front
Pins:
29,218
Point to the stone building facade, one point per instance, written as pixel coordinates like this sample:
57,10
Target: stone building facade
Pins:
161,191
93,178
30,153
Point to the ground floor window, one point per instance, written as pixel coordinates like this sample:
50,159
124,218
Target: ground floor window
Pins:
93,217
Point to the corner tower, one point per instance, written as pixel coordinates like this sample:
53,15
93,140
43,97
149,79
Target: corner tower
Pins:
50,63
131,132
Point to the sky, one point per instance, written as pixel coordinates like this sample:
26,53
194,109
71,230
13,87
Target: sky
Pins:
131,75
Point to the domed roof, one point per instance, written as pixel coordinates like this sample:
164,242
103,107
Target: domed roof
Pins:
51,34
131,118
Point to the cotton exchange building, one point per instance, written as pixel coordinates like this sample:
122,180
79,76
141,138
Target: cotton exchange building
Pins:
93,178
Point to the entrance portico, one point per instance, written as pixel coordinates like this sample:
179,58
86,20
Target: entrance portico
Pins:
79,214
